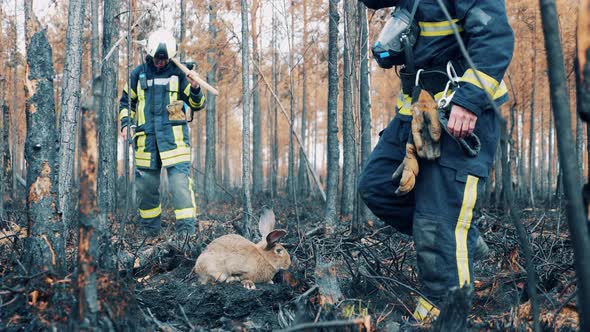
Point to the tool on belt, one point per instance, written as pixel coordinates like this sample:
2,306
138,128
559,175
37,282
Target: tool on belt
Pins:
428,117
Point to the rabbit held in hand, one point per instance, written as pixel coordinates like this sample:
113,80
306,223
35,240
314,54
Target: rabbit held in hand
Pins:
234,258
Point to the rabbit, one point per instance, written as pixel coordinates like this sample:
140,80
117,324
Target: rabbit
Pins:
234,258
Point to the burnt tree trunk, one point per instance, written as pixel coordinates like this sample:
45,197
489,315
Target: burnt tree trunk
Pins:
348,137
107,136
210,179
532,144
45,244
302,178
565,144
248,229
88,135
14,132
291,161
3,112
6,156
274,109
364,97
333,149
70,106
257,179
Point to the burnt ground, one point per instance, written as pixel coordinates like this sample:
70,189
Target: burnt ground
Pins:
374,272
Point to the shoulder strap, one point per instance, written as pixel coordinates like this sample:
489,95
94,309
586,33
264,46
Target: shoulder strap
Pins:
407,47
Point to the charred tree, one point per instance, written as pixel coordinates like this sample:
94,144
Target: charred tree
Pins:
333,149
6,156
182,29
107,135
248,222
256,122
580,147
274,108
364,97
565,143
302,179
348,136
70,106
210,178
88,134
532,176
45,244
3,130
14,134
291,161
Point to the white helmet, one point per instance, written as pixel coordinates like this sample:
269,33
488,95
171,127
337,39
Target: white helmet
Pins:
161,44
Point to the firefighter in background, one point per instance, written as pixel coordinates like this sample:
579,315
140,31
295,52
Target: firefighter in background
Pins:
438,212
161,95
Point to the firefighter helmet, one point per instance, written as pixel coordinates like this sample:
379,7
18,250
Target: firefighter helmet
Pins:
161,44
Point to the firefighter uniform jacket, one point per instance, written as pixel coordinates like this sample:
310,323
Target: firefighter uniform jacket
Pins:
489,40
161,137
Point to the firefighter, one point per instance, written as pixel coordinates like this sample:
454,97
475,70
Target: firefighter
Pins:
438,212
161,95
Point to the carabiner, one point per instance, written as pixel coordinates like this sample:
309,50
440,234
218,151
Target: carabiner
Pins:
445,100
451,73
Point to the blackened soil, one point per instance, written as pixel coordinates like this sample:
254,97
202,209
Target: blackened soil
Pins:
176,299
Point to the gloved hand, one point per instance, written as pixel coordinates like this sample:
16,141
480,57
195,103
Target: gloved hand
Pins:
407,171
426,128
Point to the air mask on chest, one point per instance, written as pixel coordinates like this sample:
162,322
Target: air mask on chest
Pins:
397,37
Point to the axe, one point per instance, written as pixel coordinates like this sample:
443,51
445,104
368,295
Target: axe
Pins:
201,81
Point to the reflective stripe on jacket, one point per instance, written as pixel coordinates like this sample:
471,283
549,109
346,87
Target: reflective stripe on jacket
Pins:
487,35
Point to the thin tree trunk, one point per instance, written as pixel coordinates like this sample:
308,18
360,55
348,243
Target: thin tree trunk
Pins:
182,29
275,83
364,98
107,138
248,221
302,179
45,244
542,155
210,179
291,161
565,144
333,149
348,141
257,179
199,180
498,172
550,157
226,173
6,156
532,131
3,112
70,107
14,109
580,147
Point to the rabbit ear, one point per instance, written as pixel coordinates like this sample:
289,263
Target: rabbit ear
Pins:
266,223
273,237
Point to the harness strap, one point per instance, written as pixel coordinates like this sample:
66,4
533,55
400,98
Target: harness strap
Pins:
408,51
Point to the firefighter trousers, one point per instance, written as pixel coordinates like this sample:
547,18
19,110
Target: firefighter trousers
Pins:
182,192
438,212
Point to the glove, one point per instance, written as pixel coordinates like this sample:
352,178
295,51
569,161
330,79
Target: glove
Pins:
407,171
426,127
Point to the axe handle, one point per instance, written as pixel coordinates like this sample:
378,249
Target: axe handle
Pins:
201,81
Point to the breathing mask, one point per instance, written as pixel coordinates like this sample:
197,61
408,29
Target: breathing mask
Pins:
398,34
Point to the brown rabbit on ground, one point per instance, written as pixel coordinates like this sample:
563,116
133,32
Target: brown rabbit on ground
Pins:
234,258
